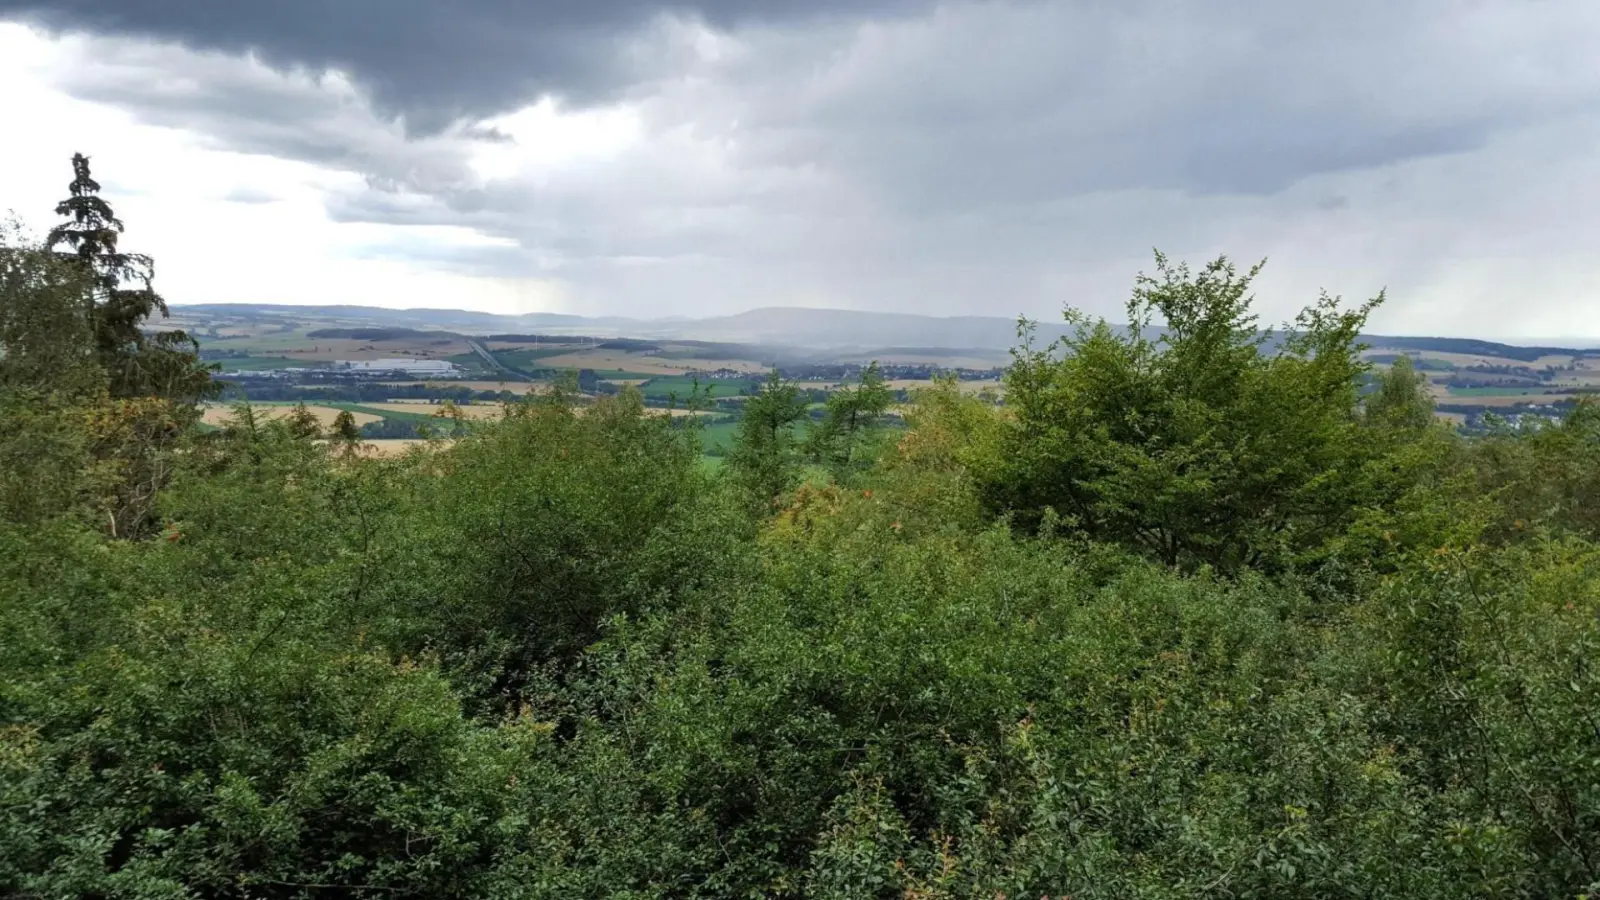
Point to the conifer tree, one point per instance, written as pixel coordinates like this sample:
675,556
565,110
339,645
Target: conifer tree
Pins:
121,299
762,453
852,414
302,423
345,429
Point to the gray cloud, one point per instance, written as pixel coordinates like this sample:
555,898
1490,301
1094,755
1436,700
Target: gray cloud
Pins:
980,104
434,60
965,157
251,109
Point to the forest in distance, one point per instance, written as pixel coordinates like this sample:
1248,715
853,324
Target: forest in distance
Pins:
1175,609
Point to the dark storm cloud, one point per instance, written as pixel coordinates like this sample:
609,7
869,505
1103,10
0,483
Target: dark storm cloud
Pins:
434,60
964,106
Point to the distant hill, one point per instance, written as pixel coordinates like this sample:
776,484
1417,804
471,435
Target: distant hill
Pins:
454,319
793,327
833,329
1473,346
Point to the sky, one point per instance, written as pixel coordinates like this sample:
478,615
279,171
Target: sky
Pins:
705,157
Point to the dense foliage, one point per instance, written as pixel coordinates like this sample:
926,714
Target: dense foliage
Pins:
1183,618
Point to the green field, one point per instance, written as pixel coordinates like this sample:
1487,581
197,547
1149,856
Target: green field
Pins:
531,359
717,439
283,340
471,362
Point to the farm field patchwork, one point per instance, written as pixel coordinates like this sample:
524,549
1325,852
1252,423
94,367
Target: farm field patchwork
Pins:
1502,396
304,349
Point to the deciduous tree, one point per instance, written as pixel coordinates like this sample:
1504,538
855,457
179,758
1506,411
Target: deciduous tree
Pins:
1210,441
1399,398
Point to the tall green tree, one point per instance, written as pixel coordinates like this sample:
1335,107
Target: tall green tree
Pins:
763,458
114,400
1210,441
121,299
345,429
302,423
854,413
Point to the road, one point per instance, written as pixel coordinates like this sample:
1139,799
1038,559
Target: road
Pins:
495,364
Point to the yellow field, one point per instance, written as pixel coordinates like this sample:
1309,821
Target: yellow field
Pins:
1556,359
1581,378
421,408
218,414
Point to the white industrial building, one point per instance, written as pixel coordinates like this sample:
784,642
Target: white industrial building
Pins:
435,368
